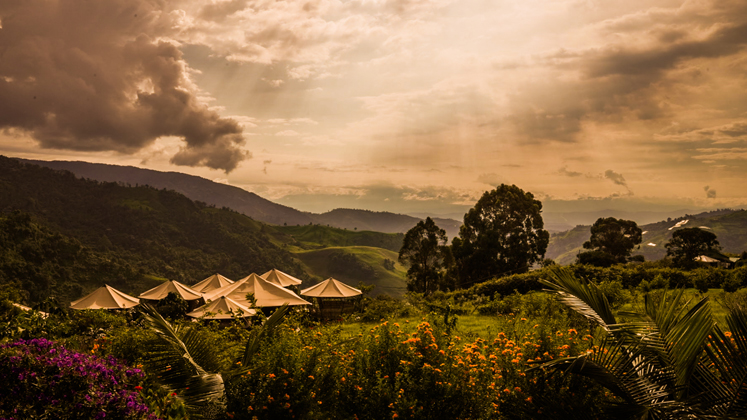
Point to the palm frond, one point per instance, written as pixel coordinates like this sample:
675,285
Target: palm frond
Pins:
252,345
174,359
582,296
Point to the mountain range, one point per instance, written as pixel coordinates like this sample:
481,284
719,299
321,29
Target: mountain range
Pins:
564,244
62,236
729,226
245,202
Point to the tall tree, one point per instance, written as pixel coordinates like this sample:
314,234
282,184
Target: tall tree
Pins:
502,234
424,249
612,240
689,243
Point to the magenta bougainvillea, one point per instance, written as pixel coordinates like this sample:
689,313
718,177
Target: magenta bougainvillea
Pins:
43,379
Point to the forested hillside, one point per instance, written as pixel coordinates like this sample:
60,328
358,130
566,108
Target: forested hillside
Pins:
82,234
316,236
243,201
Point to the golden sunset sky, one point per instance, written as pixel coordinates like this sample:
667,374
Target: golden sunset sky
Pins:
398,105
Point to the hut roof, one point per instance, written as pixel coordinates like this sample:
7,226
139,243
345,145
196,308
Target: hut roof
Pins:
331,288
222,308
265,293
162,290
216,281
105,297
280,278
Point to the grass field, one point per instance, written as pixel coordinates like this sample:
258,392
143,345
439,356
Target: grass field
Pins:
391,282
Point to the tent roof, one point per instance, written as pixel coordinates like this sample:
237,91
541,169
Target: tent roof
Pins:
706,259
162,290
222,308
280,278
213,282
105,297
266,293
331,288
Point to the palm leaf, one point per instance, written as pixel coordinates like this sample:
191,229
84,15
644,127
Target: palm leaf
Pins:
581,296
174,359
252,345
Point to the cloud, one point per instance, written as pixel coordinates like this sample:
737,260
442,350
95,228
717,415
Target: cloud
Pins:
616,178
491,179
287,133
646,66
710,193
565,172
102,76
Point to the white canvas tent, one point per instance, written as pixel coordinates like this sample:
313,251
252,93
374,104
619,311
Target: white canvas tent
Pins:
162,290
105,297
280,278
331,288
222,308
216,281
265,293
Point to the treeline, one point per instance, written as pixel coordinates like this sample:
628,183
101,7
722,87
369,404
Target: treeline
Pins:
642,276
122,235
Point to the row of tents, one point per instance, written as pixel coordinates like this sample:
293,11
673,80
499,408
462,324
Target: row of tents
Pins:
224,298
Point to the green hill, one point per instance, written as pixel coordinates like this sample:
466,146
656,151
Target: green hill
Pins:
564,246
128,235
316,236
356,264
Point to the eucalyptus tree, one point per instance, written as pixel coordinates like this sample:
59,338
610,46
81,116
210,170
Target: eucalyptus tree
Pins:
612,240
425,251
502,234
689,243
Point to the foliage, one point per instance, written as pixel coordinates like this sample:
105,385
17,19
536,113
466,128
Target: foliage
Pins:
689,243
384,307
425,251
345,264
188,364
400,370
670,362
172,306
614,237
502,234
43,379
71,236
596,258
308,236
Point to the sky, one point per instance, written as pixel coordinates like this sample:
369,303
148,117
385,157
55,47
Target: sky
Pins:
410,106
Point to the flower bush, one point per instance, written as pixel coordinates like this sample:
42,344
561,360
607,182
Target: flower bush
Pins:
43,379
397,371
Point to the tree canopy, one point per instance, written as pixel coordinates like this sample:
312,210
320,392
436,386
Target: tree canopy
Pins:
689,243
426,252
503,234
612,240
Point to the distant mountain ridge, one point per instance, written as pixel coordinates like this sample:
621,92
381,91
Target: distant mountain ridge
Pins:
242,201
730,227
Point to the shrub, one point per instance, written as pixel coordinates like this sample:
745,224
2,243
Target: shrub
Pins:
615,293
732,284
659,282
43,379
385,307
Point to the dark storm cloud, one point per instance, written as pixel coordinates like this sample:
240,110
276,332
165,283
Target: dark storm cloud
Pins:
660,52
710,193
96,76
616,178
564,171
